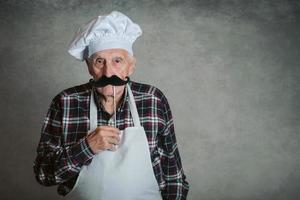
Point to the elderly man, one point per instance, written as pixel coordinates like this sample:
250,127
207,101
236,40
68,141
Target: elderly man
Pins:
110,138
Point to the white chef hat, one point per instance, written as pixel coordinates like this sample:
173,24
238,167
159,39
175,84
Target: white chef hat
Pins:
111,31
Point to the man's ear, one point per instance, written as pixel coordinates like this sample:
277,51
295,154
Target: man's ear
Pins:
131,65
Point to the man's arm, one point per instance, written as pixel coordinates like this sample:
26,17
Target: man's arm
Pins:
176,185
56,163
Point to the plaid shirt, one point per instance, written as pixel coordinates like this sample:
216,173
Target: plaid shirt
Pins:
63,148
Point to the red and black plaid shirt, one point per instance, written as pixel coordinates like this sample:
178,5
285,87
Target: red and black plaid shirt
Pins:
63,149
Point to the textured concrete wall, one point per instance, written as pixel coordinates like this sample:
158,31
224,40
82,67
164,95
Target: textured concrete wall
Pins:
230,70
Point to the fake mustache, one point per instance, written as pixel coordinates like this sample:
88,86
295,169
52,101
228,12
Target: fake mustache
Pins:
113,80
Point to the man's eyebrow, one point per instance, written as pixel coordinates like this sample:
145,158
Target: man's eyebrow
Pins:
98,57
119,57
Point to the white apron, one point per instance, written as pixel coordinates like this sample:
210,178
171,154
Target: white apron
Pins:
126,173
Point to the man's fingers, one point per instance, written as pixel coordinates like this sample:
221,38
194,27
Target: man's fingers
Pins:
107,130
110,146
112,140
108,133
104,137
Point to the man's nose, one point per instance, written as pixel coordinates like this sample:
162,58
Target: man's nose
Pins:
107,69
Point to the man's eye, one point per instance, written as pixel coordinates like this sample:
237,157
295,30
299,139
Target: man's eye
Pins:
99,61
118,60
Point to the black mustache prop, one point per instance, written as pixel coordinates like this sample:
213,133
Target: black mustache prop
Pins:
113,80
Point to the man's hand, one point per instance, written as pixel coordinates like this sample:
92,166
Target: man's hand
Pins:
103,138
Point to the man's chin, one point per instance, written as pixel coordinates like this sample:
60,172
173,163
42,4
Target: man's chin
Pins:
106,94
105,91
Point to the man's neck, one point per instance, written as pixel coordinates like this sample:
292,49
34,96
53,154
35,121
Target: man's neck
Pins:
108,102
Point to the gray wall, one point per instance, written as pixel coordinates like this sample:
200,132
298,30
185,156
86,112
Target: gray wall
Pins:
230,70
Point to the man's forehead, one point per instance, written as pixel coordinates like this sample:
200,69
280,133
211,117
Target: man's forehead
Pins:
111,53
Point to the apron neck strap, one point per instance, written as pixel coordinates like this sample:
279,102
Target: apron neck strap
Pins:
93,112
133,109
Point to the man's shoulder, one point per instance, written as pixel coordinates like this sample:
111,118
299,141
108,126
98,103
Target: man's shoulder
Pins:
77,91
142,89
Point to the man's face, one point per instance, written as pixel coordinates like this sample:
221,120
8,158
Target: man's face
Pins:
111,62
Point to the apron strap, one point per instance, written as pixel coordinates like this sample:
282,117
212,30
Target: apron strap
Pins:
93,112
133,109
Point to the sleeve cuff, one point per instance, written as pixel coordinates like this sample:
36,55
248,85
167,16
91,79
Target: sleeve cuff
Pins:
81,153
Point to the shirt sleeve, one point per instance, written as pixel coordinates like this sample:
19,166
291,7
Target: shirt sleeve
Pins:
56,163
176,185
